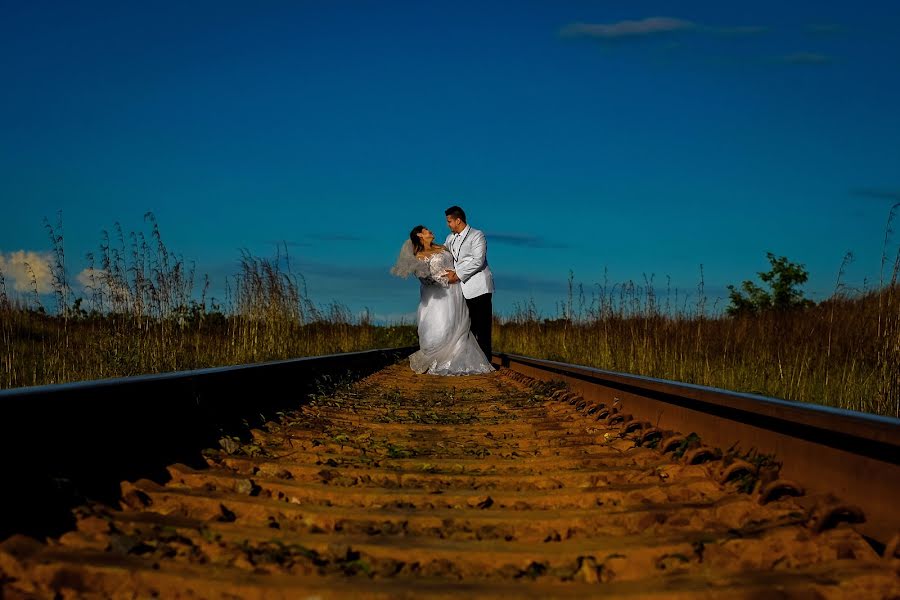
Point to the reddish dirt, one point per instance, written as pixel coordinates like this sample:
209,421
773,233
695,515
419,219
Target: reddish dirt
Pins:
406,486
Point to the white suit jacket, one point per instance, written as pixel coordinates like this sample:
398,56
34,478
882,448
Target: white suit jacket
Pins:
469,249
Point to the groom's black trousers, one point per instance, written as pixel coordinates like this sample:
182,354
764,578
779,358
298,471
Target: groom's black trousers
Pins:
481,314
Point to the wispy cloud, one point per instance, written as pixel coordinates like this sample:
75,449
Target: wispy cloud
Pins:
26,269
806,58
515,283
627,29
355,284
354,273
880,194
523,240
652,26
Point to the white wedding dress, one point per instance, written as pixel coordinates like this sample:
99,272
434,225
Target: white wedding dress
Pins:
446,346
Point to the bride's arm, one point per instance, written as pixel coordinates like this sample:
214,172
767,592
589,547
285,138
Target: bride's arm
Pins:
439,273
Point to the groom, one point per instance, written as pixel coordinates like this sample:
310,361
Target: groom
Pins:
469,249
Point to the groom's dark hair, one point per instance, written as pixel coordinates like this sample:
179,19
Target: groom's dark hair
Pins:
457,213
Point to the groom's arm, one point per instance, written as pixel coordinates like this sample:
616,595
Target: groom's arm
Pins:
474,262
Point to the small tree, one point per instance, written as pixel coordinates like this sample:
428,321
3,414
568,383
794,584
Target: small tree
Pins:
783,281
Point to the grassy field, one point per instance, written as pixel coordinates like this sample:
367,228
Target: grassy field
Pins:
843,352
38,349
142,315
143,312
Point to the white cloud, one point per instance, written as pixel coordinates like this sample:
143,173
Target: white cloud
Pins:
84,278
24,266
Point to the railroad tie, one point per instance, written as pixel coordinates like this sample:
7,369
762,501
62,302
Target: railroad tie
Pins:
412,486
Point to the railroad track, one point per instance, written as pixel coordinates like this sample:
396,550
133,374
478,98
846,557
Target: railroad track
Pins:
484,486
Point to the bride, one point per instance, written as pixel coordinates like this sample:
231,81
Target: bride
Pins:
446,346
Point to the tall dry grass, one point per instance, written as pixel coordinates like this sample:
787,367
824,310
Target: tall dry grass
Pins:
145,310
843,352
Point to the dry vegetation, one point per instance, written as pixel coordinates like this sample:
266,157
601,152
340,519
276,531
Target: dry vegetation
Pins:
843,352
144,313
838,353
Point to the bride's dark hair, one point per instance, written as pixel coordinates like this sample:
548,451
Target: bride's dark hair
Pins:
414,238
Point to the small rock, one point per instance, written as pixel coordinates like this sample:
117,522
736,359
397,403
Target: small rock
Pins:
587,571
244,486
93,525
123,544
229,445
227,515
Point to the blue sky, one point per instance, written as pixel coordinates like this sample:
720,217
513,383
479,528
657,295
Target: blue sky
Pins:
641,137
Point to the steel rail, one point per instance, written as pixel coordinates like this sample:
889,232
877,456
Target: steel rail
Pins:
67,443
854,456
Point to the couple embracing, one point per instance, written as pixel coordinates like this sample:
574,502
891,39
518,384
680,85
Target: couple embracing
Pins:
454,315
